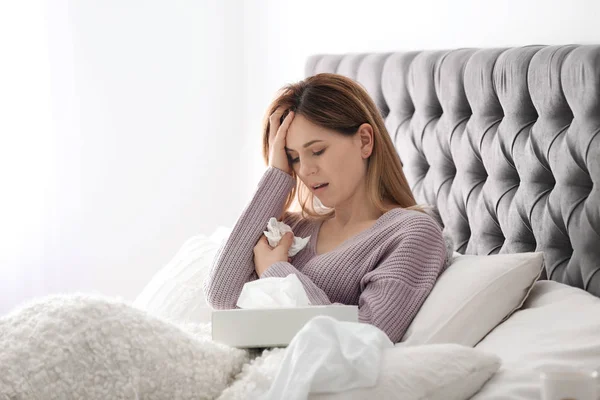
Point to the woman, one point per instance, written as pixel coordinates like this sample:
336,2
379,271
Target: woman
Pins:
370,244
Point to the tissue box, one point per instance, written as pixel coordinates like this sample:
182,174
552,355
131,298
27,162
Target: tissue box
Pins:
270,327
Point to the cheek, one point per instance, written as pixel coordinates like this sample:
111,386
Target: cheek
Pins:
346,169
350,164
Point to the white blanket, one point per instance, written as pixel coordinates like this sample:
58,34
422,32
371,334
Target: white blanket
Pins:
87,347
84,347
97,348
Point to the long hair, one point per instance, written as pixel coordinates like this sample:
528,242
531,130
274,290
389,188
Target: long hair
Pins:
340,104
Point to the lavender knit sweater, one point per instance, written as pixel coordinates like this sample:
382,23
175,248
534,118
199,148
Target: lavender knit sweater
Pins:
387,270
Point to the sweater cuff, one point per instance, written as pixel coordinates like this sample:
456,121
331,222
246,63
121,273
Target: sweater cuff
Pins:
281,182
280,269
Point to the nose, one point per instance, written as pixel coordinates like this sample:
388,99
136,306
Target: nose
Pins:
308,168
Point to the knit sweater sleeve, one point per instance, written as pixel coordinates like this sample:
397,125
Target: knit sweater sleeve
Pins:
233,264
395,290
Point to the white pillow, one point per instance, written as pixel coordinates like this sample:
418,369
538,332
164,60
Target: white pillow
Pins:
431,372
473,296
175,291
557,327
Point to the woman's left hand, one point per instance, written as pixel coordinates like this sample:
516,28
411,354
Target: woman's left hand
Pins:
265,255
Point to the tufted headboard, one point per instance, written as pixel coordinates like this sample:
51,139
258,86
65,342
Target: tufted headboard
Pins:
504,142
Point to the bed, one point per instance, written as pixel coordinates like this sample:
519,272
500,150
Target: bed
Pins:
505,143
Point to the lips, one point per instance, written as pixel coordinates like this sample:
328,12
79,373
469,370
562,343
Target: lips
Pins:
319,186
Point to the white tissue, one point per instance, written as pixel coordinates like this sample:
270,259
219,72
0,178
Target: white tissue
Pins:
276,230
273,292
329,356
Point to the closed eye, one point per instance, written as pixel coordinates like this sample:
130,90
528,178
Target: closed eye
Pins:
295,160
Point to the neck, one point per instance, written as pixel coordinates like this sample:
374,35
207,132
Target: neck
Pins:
355,211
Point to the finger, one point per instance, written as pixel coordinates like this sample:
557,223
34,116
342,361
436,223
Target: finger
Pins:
287,240
282,131
274,122
262,241
289,260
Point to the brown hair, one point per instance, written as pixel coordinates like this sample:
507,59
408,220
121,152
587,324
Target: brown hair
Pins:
338,103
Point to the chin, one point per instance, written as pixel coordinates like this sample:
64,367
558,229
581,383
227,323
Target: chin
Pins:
324,203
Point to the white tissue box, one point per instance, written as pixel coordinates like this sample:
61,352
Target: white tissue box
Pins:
271,327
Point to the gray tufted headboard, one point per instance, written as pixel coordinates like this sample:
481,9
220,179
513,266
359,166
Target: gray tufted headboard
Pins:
505,142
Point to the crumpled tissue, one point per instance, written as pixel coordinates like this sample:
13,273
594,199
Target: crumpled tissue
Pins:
273,292
276,230
329,356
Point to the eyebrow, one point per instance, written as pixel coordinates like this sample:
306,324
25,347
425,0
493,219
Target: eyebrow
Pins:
305,145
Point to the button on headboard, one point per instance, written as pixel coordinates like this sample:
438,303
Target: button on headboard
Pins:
504,142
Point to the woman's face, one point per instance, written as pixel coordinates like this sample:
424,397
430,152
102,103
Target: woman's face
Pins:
322,156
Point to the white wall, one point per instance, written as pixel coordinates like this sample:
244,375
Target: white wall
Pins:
154,130
141,150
